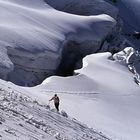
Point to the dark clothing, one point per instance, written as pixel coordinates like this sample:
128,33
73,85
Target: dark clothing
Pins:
57,106
56,102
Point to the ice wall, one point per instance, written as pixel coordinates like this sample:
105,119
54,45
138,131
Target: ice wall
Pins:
34,36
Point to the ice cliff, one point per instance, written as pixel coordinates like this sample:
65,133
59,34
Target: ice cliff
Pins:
35,36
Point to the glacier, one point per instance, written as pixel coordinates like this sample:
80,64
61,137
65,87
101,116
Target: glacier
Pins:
41,38
34,36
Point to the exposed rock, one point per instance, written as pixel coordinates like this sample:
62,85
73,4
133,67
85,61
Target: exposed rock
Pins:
131,58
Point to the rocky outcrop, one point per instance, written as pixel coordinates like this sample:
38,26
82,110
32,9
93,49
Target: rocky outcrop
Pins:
130,57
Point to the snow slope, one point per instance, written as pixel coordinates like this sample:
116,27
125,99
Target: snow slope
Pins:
32,33
103,96
24,118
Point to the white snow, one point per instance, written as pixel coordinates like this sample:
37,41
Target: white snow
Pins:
23,117
129,56
103,95
33,34
30,24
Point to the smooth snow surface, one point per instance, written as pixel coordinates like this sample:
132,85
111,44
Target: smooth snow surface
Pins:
101,81
42,27
32,33
104,96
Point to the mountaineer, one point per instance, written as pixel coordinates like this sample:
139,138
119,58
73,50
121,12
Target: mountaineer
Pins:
56,100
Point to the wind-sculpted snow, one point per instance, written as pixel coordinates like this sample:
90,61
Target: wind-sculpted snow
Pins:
106,89
24,118
33,35
35,40
84,7
98,70
103,95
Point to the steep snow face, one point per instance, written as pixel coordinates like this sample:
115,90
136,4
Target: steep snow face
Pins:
103,95
33,36
24,118
84,7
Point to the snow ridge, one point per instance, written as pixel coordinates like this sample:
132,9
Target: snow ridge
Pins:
38,35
